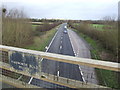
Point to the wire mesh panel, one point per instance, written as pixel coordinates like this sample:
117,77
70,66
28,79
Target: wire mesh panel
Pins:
26,67
27,63
4,55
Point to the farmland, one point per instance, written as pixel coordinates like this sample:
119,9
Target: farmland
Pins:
101,27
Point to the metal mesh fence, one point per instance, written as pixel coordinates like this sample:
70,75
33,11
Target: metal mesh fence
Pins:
25,78
91,77
4,56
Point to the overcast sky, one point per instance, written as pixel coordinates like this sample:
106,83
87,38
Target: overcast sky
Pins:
66,9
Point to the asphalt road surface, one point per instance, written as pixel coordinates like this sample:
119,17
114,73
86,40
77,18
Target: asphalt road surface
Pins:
61,45
82,49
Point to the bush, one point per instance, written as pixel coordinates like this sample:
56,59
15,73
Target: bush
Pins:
16,30
46,27
108,38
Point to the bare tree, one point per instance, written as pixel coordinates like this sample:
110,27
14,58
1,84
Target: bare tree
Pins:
16,29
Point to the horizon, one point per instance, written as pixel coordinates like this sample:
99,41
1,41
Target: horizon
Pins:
66,9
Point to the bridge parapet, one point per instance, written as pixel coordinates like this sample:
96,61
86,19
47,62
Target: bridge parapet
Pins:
28,63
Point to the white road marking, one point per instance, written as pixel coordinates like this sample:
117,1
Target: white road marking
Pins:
76,55
81,71
41,59
72,44
30,80
46,51
61,47
82,74
61,42
61,37
58,73
83,79
52,41
46,47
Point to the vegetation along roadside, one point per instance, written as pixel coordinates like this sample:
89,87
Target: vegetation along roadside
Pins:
18,32
99,51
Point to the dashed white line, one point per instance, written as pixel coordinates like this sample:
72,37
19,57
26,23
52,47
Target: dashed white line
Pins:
61,47
72,44
58,73
61,42
75,56
61,37
83,79
81,71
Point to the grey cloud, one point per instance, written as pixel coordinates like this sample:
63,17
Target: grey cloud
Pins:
67,10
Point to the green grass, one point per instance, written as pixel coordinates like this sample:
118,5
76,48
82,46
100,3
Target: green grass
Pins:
43,40
34,27
101,27
106,77
98,26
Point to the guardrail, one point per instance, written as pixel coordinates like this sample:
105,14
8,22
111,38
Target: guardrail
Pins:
68,59
19,61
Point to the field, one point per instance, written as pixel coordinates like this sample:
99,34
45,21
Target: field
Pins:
98,26
34,27
101,27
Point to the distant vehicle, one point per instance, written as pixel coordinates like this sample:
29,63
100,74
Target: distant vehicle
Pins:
65,31
65,27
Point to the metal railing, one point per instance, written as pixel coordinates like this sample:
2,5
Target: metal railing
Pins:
27,63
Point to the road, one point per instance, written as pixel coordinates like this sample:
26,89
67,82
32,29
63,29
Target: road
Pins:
82,49
61,45
65,44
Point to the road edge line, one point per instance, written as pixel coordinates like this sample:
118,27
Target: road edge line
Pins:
46,51
52,41
75,56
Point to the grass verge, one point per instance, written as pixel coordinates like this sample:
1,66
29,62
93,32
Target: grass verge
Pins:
40,42
105,77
